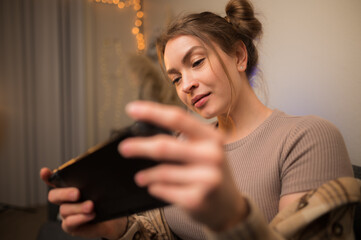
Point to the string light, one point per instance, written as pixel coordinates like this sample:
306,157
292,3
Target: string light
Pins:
140,14
138,23
137,7
139,35
137,30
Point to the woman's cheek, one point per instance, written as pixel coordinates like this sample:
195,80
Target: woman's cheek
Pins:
183,97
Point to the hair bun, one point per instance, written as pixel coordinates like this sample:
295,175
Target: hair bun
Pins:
240,13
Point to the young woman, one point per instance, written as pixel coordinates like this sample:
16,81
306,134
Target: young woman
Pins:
253,155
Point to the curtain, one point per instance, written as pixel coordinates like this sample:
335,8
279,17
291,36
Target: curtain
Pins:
42,94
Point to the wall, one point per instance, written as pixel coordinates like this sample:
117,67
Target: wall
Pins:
309,55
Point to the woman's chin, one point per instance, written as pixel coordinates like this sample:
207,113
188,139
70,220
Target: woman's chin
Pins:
206,115
203,112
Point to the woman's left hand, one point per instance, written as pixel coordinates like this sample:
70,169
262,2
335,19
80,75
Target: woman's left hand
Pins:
193,173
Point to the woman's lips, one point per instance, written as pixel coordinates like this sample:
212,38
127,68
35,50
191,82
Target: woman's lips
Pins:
199,100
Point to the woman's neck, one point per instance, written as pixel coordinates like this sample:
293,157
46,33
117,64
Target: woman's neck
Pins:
244,117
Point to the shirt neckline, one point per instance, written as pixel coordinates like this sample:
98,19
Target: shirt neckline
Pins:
239,142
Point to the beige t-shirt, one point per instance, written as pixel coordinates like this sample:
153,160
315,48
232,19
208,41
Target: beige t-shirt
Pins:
285,154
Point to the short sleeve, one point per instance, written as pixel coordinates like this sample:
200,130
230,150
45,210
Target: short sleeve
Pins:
313,154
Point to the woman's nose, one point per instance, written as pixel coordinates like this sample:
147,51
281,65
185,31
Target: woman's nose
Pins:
189,85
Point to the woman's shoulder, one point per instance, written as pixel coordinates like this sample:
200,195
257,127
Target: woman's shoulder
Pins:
312,134
306,123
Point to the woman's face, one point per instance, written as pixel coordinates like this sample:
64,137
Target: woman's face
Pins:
198,76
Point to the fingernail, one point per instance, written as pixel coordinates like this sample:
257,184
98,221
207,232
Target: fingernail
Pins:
139,179
123,148
87,207
131,107
73,195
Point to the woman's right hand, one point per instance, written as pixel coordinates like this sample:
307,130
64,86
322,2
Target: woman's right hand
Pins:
77,215
200,181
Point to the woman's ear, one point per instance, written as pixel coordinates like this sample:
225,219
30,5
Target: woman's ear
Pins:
241,56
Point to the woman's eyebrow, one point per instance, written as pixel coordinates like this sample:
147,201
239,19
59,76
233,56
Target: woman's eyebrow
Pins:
189,53
184,59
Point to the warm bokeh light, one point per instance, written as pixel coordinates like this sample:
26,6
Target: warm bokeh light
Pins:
121,5
138,23
139,36
140,14
137,7
135,30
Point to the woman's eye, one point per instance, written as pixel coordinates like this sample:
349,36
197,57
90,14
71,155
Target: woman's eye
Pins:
198,62
175,81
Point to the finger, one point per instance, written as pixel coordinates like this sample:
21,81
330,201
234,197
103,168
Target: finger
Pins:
63,195
73,222
45,174
171,117
67,209
189,197
176,175
163,147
